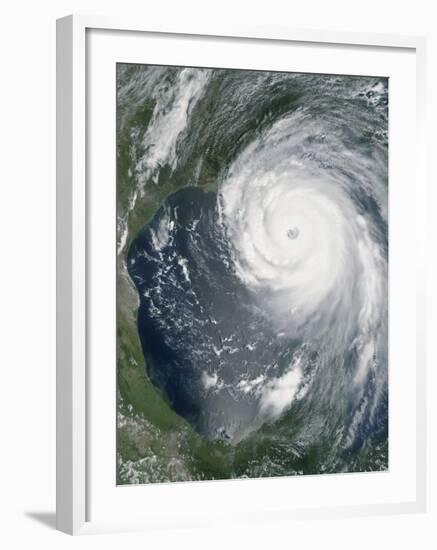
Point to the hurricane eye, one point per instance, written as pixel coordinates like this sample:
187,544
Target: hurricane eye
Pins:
293,233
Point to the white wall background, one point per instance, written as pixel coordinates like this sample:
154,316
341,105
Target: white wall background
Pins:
27,289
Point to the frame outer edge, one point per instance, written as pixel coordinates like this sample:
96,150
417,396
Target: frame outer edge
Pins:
70,282
260,32
72,515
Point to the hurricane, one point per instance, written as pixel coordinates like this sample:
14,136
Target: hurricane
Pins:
262,273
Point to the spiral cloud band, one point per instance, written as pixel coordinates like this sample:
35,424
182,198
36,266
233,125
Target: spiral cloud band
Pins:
309,253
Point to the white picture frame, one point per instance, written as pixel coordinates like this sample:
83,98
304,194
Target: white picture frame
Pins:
74,464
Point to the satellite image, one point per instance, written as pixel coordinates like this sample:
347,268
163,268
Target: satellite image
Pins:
252,264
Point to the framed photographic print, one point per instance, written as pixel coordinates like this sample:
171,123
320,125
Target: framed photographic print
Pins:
240,275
